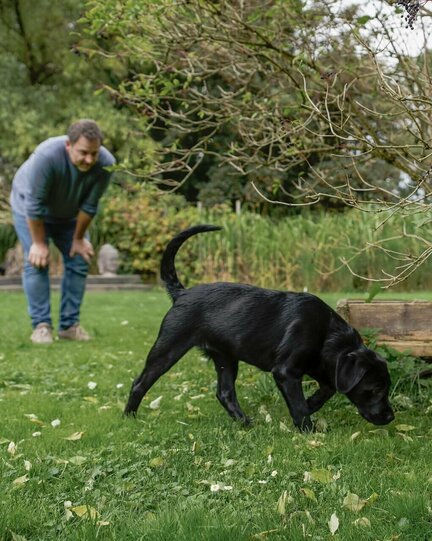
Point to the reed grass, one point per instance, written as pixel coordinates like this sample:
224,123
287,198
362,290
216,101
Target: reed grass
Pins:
307,251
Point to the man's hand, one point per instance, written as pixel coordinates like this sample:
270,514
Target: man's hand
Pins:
39,255
83,248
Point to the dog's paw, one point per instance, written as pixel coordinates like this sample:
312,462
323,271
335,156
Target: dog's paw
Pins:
129,413
307,426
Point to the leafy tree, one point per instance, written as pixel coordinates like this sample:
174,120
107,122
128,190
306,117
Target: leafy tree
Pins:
297,100
47,83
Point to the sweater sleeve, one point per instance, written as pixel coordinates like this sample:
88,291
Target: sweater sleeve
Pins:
40,172
91,201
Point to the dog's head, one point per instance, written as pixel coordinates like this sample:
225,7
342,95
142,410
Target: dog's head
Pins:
363,377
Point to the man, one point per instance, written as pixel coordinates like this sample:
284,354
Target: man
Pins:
55,196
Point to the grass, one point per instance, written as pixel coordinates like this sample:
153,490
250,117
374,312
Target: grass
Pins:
186,471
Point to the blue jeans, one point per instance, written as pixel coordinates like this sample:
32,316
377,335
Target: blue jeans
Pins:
36,281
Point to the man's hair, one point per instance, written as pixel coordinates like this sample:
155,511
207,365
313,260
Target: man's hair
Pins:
86,128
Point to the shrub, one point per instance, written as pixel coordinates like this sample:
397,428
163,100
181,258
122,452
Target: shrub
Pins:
141,223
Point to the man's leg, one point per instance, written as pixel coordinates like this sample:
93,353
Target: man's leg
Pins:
74,275
35,281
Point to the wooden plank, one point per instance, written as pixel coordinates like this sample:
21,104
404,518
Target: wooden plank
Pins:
417,349
402,325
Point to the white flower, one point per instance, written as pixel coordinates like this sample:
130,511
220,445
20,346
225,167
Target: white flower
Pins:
55,423
262,482
119,385
27,465
36,434
124,322
227,487
11,448
215,488
155,404
274,473
92,385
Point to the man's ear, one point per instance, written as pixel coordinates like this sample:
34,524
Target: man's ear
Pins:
349,371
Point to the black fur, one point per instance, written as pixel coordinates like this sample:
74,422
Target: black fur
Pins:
285,333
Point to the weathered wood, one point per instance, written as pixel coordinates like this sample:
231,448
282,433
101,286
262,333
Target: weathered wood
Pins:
403,325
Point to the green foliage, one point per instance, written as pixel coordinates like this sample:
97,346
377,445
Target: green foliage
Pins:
296,252
47,84
141,223
289,97
186,471
8,239
411,376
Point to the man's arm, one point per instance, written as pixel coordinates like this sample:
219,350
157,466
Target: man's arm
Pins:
39,251
81,245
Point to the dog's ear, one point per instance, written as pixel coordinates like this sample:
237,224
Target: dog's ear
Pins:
349,371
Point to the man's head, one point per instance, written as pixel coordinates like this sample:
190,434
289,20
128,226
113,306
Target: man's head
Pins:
84,141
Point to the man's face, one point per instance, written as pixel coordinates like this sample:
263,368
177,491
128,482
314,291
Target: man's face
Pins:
84,153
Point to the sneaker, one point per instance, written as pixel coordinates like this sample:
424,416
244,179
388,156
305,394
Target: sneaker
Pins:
42,334
76,332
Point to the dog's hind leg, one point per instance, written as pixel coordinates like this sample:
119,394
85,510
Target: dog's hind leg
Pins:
227,370
161,358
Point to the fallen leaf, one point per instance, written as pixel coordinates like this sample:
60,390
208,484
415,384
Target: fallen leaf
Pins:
355,436
68,513
91,399
155,404
363,521
320,476
77,460
380,432
12,448
20,480
309,493
84,511
373,497
333,524
284,499
405,428
27,465
55,423
405,437
354,503
75,436
156,462
315,443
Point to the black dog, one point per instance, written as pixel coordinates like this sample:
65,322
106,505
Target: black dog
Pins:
287,334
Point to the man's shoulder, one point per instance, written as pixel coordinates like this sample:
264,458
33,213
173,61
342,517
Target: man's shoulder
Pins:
52,148
105,157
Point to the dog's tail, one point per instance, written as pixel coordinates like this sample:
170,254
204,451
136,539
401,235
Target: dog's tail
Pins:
167,269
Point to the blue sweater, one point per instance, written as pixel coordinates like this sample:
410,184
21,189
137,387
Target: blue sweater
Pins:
49,187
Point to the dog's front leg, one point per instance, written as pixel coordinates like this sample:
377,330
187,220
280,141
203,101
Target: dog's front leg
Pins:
289,383
319,398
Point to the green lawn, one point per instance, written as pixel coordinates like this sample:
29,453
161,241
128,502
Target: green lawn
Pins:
186,471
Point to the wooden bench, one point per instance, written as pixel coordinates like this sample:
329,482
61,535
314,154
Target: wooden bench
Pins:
403,325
